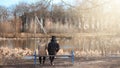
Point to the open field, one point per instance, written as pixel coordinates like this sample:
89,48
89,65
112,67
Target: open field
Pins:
91,49
99,62
60,35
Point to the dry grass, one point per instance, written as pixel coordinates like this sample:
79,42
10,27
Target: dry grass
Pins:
10,56
62,28
85,44
13,56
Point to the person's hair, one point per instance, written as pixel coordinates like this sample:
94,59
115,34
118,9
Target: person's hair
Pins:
53,38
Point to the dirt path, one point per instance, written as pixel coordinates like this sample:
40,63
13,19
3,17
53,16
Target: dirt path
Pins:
105,62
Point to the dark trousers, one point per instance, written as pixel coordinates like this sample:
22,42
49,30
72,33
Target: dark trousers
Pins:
51,58
42,59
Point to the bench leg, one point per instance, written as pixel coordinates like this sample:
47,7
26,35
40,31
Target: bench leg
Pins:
72,57
35,58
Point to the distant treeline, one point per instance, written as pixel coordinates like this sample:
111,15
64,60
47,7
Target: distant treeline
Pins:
83,16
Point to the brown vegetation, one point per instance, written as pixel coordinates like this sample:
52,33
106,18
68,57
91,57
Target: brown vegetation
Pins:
88,30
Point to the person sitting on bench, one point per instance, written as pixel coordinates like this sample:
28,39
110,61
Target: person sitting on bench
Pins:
53,48
42,52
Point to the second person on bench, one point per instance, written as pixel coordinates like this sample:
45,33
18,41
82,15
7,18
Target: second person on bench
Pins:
53,48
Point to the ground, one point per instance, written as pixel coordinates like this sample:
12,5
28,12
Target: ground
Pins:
80,62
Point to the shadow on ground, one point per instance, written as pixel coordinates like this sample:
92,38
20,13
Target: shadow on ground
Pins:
36,66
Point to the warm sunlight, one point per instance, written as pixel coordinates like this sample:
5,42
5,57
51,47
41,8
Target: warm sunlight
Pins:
59,33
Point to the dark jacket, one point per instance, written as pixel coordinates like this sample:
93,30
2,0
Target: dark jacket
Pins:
53,46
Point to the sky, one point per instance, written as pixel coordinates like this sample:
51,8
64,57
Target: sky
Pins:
8,3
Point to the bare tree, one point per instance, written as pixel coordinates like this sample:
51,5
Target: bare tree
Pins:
20,9
3,13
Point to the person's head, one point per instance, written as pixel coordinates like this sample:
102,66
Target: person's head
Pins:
53,38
